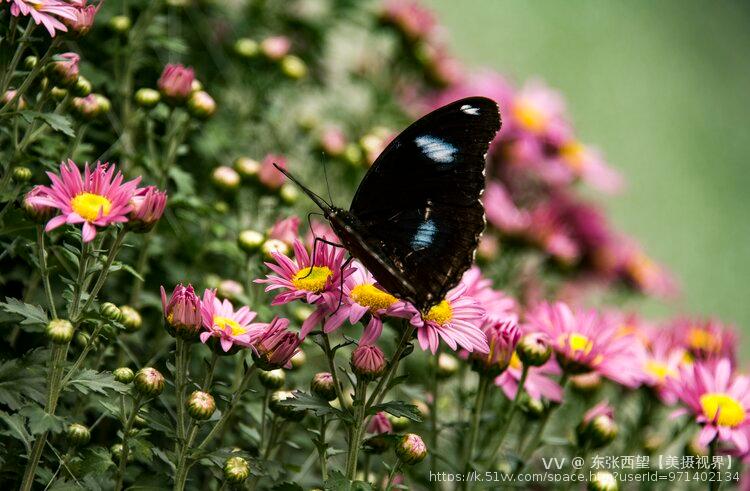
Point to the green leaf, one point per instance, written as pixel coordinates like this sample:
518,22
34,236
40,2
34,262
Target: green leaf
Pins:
23,380
57,122
40,421
287,486
16,428
317,405
34,317
337,482
88,381
399,409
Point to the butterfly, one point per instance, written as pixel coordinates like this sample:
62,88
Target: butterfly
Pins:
416,218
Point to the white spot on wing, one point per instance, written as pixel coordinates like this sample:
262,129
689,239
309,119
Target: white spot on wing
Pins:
436,149
474,111
424,236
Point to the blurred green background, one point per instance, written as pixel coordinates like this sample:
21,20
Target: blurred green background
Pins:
663,88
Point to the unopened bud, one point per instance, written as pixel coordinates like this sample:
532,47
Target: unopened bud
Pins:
247,167
399,423
60,331
30,62
21,175
124,375
201,105
147,98
131,319
323,385
110,311
200,405
368,362
293,67
82,87
411,449
274,245
289,193
246,48
250,240
603,481
534,350
447,366
298,360
287,412
272,379
78,435
149,382
119,24
236,470
225,178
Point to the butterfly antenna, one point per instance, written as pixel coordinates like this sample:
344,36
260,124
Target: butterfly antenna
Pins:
328,186
322,204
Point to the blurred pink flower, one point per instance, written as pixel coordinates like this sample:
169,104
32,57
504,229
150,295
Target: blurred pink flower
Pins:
705,339
45,12
538,383
333,141
588,164
286,230
457,320
321,230
232,327
718,399
176,83
410,17
84,18
269,175
276,47
97,198
380,424
501,212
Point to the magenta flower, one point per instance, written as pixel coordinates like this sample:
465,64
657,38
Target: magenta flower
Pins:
84,18
705,339
320,229
718,399
46,12
642,272
286,230
333,141
362,296
275,345
502,338
662,364
457,320
232,327
585,341
183,310
498,306
268,175
501,212
410,17
97,198
380,424
35,211
587,164
368,362
147,207
538,385
176,83
300,280
64,70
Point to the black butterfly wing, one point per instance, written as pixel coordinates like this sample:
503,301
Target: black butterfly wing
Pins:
419,204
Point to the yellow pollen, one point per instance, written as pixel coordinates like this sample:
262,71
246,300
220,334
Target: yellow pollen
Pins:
88,205
701,339
660,370
372,297
722,408
312,281
515,361
530,117
224,322
441,313
573,153
579,342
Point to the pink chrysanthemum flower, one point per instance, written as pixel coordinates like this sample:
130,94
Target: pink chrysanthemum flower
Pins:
586,341
661,365
97,198
268,175
232,327
719,400
45,12
705,339
501,212
320,230
147,207
362,296
498,306
275,345
286,230
84,17
300,280
380,424
409,16
457,320
176,82
588,164
538,385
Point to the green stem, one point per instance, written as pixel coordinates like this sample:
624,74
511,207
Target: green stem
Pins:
332,368
44,271
125,448
434,386
32,75
713,484
476,418
104,272
8,72
536,439
79,361
391,475
509,415
323,449
356,430
381,388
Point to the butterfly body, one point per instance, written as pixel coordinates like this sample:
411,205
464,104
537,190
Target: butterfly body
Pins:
417,216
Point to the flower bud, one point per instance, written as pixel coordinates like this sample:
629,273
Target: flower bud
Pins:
603,481
147,98
58,94
63,71
83,21
21,175
30,62
119,24
196,86
287,412
182,313
110,311
200,405
353,154
246,48
60,331
411,449
273,245
36,212
368,362
447,366
103,104
289,193
272,379
221,207
149,381
247,167
82,338
586,383
275,47
502,338
598,427
201,105
146,208
230,289
78,435
323,385
124,375
276,346
250,240
532,408
131,319
298,360
534,349
236,470
82,87
225,178
176,84
333,141
399,423
293,67
116,451
9,95
90,107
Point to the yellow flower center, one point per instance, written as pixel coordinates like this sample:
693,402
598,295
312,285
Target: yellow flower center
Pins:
372,297
441,313
722,408
573,154
515,362
224,322
88,205
312,279
580,343
530,117
703,340
659,370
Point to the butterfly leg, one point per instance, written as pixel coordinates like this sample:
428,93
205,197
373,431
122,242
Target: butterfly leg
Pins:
341,283
315,250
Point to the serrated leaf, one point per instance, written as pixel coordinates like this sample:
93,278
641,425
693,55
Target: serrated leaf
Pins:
16,428
399,409
57,122
317,405
95,460
33,317
23,380
88,381
337,482
40,421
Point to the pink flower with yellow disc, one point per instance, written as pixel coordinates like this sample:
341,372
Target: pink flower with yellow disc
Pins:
232,327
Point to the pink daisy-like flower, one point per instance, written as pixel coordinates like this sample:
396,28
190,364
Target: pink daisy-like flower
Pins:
662,364
498,306
286,230
501,212
362,296
97,198
45,12
705,339
719,400
457,320
232,327
586,341
538,384
411,18
84,17
301,280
